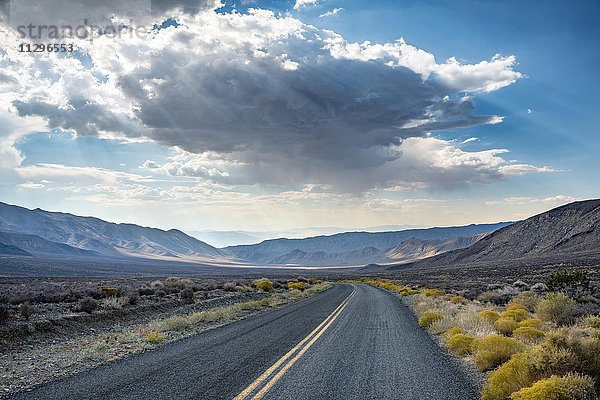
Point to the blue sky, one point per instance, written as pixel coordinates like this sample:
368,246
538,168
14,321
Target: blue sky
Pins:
237,121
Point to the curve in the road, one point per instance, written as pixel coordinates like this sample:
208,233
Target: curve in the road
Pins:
350,342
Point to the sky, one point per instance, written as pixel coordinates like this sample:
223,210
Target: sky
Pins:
280,115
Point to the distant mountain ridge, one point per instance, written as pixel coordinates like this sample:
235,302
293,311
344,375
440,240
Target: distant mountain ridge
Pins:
42,232
561,232
352,248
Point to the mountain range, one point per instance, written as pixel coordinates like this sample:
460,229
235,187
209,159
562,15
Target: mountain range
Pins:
354,248
39,233
562,233
43,233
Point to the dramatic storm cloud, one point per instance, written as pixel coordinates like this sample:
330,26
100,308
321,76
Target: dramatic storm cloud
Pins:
271,99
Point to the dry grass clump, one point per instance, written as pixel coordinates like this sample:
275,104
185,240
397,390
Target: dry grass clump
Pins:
451,332
461,344
556,307
390,285
517,314
568,387
297,285
528,334
532,322
593,321
494,350
429,318
155,337
433,292
108,291
526,299
263,284
489,315
505,326
114,302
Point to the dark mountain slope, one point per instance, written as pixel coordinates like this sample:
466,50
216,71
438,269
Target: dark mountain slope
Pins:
560,232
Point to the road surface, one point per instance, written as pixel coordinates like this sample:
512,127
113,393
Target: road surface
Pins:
350,342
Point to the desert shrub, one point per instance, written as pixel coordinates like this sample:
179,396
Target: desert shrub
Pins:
108,291
574,284
593,321
536,362
157,285
87,305
517,314
489,315
505,326
155,337
297,285
133,298
568,387
508,378
461,344
556,307
528,333
515,306
429,318
263,284
527,299
179,283
4,314
433,292
494,350
146,291
457,299
533,322
114,302
452,331
26,310
187,294
230,286
160,293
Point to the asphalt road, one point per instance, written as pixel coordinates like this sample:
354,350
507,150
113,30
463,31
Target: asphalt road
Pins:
350,342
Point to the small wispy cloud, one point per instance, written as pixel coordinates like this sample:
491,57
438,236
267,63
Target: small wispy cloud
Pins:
304,3
469,140
331,13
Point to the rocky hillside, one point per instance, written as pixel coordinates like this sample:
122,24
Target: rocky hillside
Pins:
573,229
41,232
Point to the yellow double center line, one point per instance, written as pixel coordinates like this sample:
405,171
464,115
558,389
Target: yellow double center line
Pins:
289,357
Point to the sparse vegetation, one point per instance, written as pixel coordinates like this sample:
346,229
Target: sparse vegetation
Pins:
542,354
429,318
568,387
263,284
108,291
4,314
593,321
489,315
461,344
155,337
187,294
297,285
505,326
26,310
528,334
494,350
556,307
87,305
